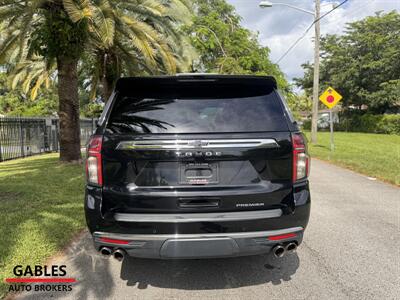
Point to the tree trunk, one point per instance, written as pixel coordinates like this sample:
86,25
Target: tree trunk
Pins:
110,73
70,147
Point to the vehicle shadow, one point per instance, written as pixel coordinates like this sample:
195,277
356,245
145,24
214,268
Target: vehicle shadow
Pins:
207,274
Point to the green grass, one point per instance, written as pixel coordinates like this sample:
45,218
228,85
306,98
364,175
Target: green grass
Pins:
375,155
41,209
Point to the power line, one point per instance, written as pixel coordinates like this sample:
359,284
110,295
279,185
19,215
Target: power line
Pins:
356,10
308,29
294,44
327,13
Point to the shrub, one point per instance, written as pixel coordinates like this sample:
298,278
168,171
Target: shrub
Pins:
389,124
306,125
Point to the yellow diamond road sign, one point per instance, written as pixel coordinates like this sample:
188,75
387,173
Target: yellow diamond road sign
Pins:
330,97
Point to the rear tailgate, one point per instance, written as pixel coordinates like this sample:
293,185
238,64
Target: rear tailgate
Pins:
190,145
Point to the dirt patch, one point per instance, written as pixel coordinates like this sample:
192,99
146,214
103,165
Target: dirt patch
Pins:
60,255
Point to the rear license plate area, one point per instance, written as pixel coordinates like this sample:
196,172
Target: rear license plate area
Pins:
198,173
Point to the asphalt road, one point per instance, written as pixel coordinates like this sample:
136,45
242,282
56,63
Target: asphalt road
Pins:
351,250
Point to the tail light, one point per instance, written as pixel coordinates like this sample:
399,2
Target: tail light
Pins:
301,160
94,173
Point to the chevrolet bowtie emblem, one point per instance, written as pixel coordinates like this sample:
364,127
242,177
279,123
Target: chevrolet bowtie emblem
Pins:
198,143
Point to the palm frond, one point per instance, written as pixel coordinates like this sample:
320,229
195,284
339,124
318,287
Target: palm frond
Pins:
78,10
6,46
32,75
42,78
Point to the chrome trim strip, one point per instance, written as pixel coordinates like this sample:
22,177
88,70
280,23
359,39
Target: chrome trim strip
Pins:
163,237
199,217
196,144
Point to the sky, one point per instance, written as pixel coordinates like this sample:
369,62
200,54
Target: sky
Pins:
280,26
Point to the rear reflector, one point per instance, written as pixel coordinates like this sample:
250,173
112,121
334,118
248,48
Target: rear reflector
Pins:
281,237
114,241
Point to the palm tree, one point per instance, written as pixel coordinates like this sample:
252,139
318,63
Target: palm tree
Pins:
43,28
60,30
143,37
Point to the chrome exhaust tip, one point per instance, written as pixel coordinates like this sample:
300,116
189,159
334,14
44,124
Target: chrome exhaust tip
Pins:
291,247
105,251
119,254
279,251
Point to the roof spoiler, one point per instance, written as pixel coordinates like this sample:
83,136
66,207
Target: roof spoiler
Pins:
128,83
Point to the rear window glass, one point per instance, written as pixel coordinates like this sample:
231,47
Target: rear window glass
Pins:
207,115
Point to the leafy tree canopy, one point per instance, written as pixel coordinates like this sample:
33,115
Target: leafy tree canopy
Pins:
224,46
15,102
363,64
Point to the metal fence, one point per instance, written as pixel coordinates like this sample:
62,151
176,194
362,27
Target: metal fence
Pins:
21,137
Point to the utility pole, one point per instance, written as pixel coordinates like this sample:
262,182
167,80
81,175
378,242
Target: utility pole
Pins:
316,15
314,117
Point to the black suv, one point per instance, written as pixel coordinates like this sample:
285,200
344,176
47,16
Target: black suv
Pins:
197,166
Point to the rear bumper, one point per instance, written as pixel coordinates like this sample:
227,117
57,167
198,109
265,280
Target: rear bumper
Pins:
197,235
205,245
